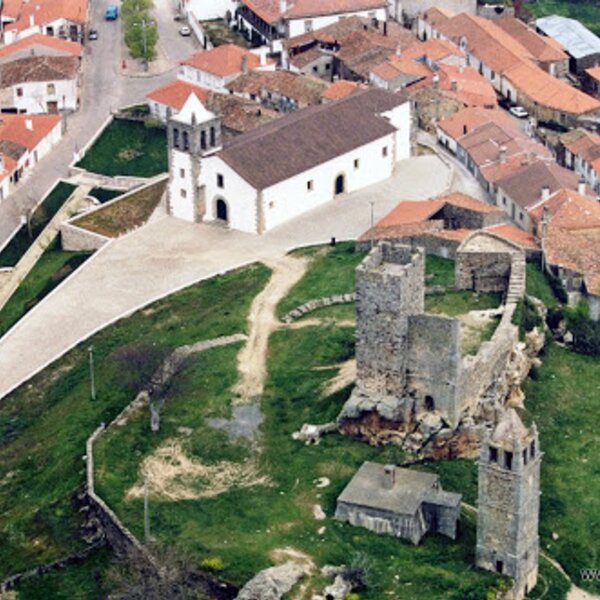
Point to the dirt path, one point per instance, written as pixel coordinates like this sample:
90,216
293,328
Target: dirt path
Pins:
252,359
346,375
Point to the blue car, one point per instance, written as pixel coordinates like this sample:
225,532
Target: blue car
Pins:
112,12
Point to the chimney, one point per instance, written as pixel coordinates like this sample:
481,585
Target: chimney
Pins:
502,154
31,20
389,477
545,193
581,187
29,124
398,50
263,59
435,80
282,7
454,85
245,64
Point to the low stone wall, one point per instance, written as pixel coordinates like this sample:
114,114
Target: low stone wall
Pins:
76,239
311,305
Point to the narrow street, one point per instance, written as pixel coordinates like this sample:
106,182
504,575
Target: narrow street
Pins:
104,88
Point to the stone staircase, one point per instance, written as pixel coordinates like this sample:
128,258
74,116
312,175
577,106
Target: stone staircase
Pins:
516,284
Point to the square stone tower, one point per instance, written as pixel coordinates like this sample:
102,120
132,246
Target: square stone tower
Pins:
509,493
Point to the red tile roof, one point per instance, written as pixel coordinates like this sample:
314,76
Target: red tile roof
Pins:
434,49
45,11
340,89
38,39
222,61
569,210
514,234
175,94
594,73
468,119
14,128
467,85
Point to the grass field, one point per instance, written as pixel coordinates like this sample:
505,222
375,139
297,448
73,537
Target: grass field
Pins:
537,285
42,215
44,424
104,195
128,148
51,269
125,215
452,304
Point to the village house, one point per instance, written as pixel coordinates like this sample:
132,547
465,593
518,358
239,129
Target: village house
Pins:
399,502
270,21
40,84
64,19
590,80
441,224
279,90
238,115
340,89
266,177
40,45
582,46
205,10
568,225
215,68
579,150
512,68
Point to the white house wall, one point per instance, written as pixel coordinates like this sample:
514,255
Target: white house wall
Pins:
35,96
181,189
204,10
201,78
298,26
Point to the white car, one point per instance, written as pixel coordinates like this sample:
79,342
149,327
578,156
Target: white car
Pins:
185,31
518,111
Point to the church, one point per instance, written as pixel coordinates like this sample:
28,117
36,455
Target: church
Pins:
284,168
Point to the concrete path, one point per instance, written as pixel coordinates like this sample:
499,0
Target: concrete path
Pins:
169,254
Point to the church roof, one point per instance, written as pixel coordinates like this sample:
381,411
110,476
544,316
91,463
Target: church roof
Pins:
308,138
509,428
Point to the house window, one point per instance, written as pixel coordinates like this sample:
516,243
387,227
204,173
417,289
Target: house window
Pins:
51,89
308,25
356,163
384,151
499,566
186,140
315,69
213,136
183,193
271,204
220,181
181,172
327,67
525,457
504,200
20,92
520,216
508,458
310,185
493,454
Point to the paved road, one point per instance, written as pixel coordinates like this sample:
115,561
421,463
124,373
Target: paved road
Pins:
169,254
104,89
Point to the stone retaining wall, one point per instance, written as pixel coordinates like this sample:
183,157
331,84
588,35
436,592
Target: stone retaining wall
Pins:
77,239
311,305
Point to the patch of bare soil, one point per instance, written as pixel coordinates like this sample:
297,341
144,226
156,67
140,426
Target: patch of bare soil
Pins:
173,475
315,322
576,593
281,555
472,326
252,359
346,375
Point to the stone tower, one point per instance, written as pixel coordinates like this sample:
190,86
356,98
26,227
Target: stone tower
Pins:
509,491
192,133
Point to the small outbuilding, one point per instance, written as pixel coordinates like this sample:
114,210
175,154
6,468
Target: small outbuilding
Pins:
399,502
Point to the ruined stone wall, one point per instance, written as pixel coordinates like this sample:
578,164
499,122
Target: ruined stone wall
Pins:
433,364
483,271
389,288
457,217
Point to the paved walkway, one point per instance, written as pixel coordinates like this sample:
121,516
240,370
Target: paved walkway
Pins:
169,254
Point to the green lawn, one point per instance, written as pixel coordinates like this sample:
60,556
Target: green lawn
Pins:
331,272
537,285
104,195
128,148
586,11
439,271
44,424
42,215
452,304
51,269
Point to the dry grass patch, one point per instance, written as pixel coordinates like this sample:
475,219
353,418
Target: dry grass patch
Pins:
173,475
124,215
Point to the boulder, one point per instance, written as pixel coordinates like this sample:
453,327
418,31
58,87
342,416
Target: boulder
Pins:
272,583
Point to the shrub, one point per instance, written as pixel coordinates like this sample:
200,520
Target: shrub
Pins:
558,289
212,563
586,333
526,316
358,572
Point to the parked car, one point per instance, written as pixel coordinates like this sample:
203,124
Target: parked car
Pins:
93,34
518,111
112,13
185,31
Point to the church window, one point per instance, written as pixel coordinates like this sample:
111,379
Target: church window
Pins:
213,137
384,151
186,140
493,455
356,163
220,180
183,193
181,172
176,138
203,140
508,458
310,185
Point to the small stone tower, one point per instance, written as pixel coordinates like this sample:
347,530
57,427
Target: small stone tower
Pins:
509,491
192,133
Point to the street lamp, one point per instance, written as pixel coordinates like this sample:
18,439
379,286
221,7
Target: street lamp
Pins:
92,381
144,24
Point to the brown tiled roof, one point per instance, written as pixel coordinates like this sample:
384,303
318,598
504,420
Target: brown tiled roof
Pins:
307,138
569,210
541,47
269,10
514,234
397,66
467,85
38,68
340,89
48,41
525,185
434,49
305,58
436,15
330,34
303,89
239,115
223,60
12,149
175,93
546,90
